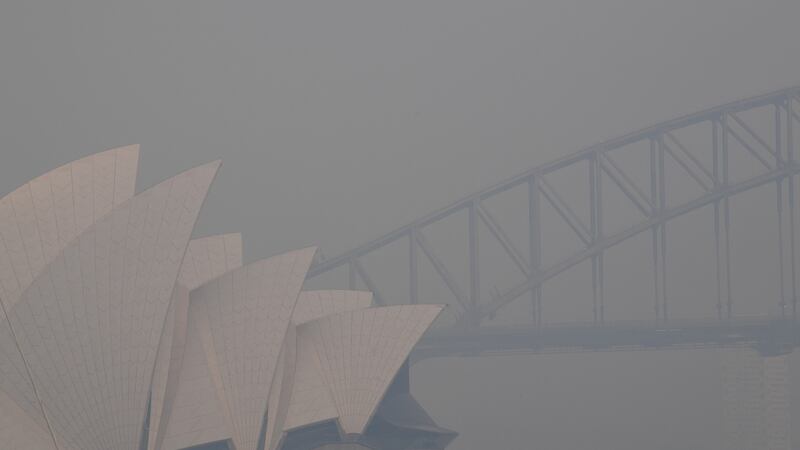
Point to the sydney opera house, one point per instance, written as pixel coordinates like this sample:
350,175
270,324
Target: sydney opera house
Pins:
119,332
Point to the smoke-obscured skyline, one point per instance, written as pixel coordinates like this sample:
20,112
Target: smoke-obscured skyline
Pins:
340,121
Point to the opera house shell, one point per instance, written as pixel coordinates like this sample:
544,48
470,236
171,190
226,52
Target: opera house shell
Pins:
119,332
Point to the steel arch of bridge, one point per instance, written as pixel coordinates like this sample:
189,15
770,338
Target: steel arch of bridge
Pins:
774,153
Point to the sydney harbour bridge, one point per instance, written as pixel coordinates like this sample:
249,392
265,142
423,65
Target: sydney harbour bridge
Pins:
699,162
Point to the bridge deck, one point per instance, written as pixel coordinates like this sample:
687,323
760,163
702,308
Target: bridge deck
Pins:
770,336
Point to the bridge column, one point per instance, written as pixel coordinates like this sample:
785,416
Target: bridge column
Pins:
777,402
535,246
756,411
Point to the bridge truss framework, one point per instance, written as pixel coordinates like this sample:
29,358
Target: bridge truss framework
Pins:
726,124
756,382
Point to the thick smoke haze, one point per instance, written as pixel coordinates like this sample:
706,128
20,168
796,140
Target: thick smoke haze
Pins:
338,121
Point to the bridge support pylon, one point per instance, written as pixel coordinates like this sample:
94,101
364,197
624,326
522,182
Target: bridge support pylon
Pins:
756,403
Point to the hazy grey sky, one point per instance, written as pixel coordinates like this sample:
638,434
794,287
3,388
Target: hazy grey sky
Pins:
340,120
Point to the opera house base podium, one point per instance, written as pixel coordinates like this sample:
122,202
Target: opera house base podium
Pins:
400,423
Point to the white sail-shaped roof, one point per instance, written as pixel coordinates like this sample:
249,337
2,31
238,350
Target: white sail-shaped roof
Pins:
310,305
176,381
18,430
281,390
42,216
169,359
311,401
197,415
186,409
107,307
248,312
359,353
209,257
37,220
90,323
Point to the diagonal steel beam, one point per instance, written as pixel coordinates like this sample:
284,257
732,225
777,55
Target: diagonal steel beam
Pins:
689,155
606,157
497,231
755,135
685,167
362,273
563,210
440,268
627,187
748,147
